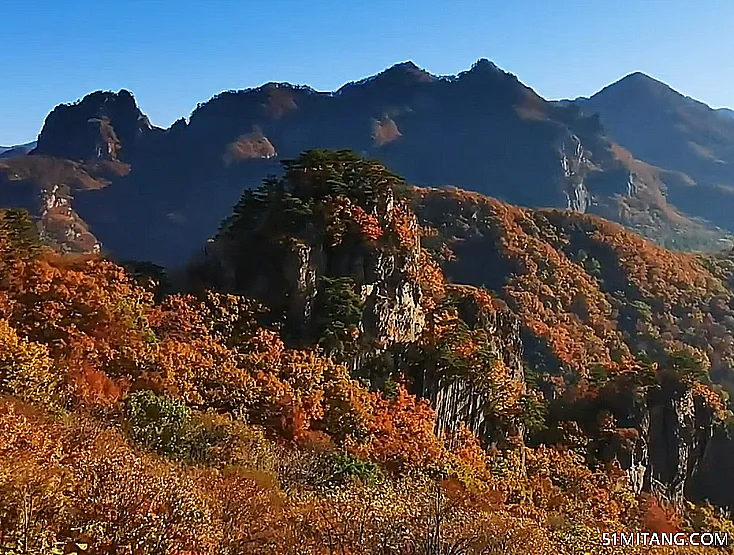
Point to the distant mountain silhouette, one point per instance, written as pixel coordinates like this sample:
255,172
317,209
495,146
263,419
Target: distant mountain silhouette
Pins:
102,173
665,128
17,150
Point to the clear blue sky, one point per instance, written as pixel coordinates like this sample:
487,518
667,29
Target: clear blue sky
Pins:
173,54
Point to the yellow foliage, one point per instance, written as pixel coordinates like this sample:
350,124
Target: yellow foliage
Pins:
26,370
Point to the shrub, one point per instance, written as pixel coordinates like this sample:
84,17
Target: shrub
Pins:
160,423
345,466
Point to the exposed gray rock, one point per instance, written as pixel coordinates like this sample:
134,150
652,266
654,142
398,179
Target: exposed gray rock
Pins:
61,224
574,164
302,265
392,298
632,186
680,430
457,400
663,453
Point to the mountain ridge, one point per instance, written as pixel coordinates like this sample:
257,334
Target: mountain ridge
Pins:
108,165
673,131
17,150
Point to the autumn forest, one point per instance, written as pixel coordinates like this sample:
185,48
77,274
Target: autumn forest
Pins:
355,365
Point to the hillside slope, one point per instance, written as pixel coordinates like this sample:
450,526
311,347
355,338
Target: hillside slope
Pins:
598,319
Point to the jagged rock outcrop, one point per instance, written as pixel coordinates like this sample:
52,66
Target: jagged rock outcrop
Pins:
666,443
302,236
456,398
391,298
102,126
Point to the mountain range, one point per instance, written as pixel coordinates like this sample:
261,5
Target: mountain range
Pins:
16,150
103,177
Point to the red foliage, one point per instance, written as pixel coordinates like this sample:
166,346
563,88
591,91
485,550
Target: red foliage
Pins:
91,387
658,518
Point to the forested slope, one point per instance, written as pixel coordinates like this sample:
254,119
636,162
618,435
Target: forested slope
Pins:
324,388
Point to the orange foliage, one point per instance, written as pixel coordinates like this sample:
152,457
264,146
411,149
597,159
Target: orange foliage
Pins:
431,280
344,216
576,282
657,518
92,387
77,482
404,226
401,433
77,333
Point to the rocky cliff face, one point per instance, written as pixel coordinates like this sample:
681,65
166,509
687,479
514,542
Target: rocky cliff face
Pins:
291,281
392,314
664,450
679,433
458,399
575,164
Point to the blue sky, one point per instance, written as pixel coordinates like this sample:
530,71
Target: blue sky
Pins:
173,54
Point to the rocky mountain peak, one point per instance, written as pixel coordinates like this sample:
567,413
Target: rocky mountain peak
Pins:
407,72
104,125
673,131
399,76
641,87
485,65
487,83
